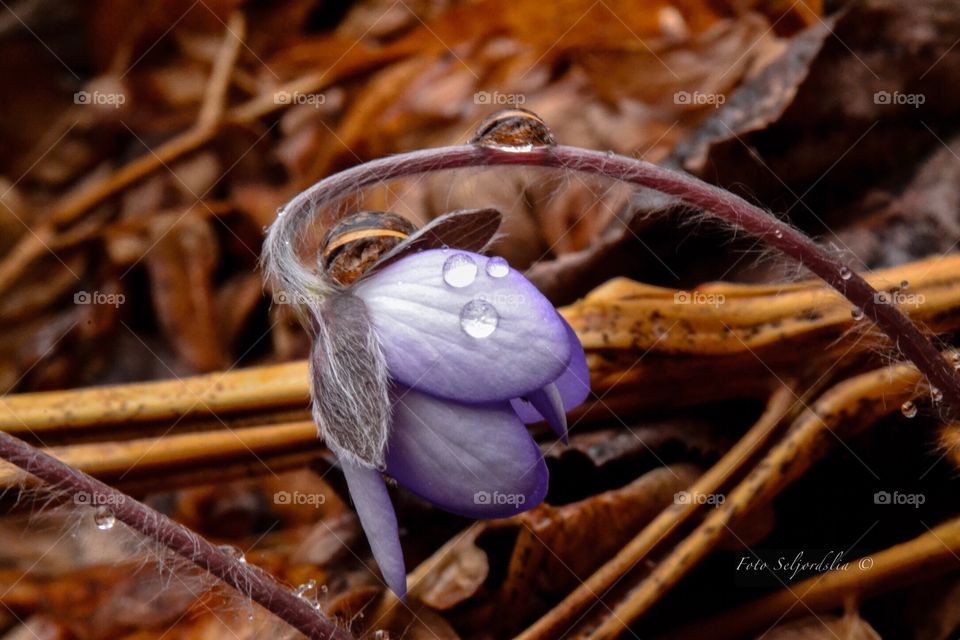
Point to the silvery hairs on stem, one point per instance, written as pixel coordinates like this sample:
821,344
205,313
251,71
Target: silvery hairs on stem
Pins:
349,380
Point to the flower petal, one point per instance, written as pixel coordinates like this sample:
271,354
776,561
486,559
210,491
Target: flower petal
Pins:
476,461
549,403
379,521
573,384
465,334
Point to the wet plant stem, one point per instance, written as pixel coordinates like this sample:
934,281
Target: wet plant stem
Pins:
248,580
294,277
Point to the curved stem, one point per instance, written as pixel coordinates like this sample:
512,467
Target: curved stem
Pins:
248,580
283,264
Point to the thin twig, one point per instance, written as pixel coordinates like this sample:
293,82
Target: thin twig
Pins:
246,579
550,625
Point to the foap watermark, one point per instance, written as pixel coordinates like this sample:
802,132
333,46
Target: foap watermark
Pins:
497,98
282,297
699,297
100,98
899,298
896,498
98,499
299,498
912,99
99,297
485,497
695,497
699,99
316,100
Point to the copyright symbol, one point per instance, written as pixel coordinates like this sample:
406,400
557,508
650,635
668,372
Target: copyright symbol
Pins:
866,564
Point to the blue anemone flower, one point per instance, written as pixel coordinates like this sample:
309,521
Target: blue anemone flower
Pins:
426,371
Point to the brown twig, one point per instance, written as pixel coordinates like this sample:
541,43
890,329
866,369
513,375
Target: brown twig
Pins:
246,579
925,557
852,404
577,602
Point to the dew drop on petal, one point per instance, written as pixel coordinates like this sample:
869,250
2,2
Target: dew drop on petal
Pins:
905,284
908,409
479,318
935,394
845,273
497,267
857,313
103,517
956,360
778,233
381,634
459,270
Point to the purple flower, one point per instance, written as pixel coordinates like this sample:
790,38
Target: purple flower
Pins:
426,370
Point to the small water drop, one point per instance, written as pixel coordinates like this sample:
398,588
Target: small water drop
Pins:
956,360
459,270
857,313
103,517
381,634
778,233
497,267
324,588
908,409
305,588
233,552
845,273
479,319
935,394
904,284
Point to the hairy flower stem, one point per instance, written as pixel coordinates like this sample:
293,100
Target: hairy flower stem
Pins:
284,266
248,580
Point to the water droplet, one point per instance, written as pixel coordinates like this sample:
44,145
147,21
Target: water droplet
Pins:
324,588
778,233
497,267
513,130
905,284
935,394
459,270
104,518
908,409
233,552
857,313
305,588
956,360
479,318
381,634
845,273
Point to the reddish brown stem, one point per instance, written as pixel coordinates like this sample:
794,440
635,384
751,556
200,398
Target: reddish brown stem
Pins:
248,580
282,262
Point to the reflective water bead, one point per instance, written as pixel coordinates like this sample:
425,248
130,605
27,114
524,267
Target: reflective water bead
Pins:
233,552
845,273
857,313
103,517
935,394
459,270
497,267
479,319
908,409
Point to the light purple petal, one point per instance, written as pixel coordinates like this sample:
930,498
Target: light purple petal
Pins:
480,339
478,461
549,404
573,384
379,521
